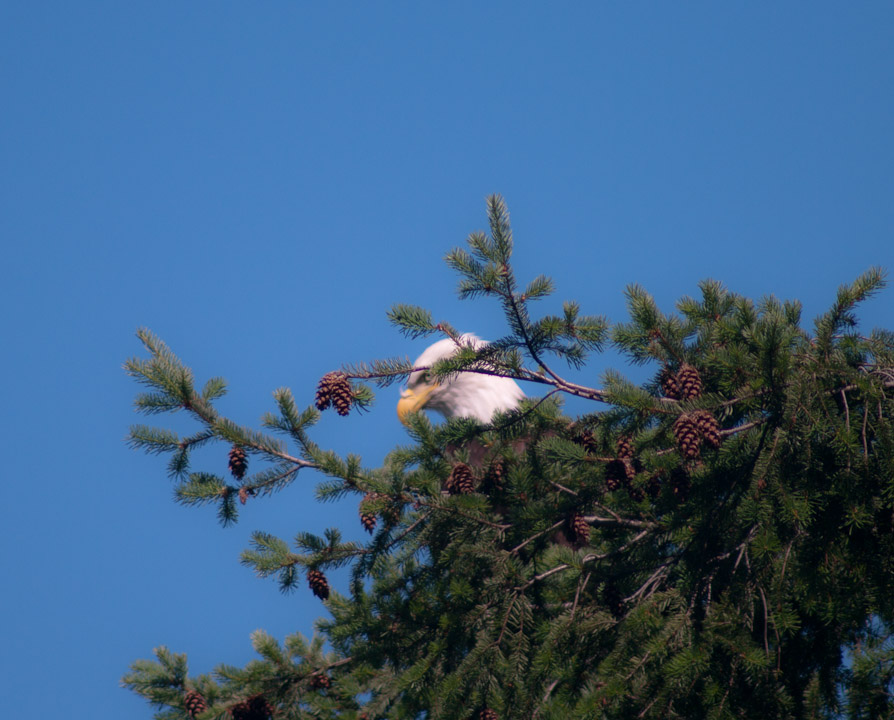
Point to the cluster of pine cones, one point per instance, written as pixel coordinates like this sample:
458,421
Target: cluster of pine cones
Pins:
334,389
623,469
691,429
579,530
685,384
694,428
256,708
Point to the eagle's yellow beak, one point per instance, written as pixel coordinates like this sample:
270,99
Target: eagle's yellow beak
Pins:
413,400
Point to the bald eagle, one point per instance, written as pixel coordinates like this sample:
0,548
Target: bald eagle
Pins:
468,395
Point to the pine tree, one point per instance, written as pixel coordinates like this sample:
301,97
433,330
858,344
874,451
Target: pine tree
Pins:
731,522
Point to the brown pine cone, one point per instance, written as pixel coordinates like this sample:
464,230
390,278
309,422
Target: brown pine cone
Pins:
615,474
392,512
488,714
368,520
579,529
636,493
586,440
667,379
334,389
194,703
708,427
689,382
256,708
318,584
461,480
244,494
342,402
367,517
238,462
493,476
653,486
687,435
680,483
625,448
242,711
320,682
613,600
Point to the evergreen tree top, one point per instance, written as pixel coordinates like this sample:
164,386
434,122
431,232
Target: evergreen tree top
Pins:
716,542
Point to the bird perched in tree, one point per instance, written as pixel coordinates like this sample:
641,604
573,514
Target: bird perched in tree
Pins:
469,394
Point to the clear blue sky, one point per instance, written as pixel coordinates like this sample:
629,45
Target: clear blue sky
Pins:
259,182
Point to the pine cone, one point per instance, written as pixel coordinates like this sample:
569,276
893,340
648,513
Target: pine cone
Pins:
242,711
689,382
687,435
625,448
636,493
320,682
488,714
615,474
367,518
256,708
613,600
318,584
668,382
334,389
244,494
194,703
391,513
708,427
680,483
342,402
653,486
461,480
586,440
493,476
238,462
579,529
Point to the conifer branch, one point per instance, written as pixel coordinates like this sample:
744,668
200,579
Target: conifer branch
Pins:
712,523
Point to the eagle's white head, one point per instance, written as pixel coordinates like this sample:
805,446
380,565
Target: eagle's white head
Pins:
467,395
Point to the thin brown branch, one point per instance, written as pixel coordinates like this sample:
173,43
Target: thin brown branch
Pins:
533,537
580,587
409,529
454,511
619,521
863,433
586,559
653,580
766,621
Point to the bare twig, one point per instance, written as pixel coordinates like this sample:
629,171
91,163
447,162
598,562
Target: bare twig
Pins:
766,621
580,587
533,537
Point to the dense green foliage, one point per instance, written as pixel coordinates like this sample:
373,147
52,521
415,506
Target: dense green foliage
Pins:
716,543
